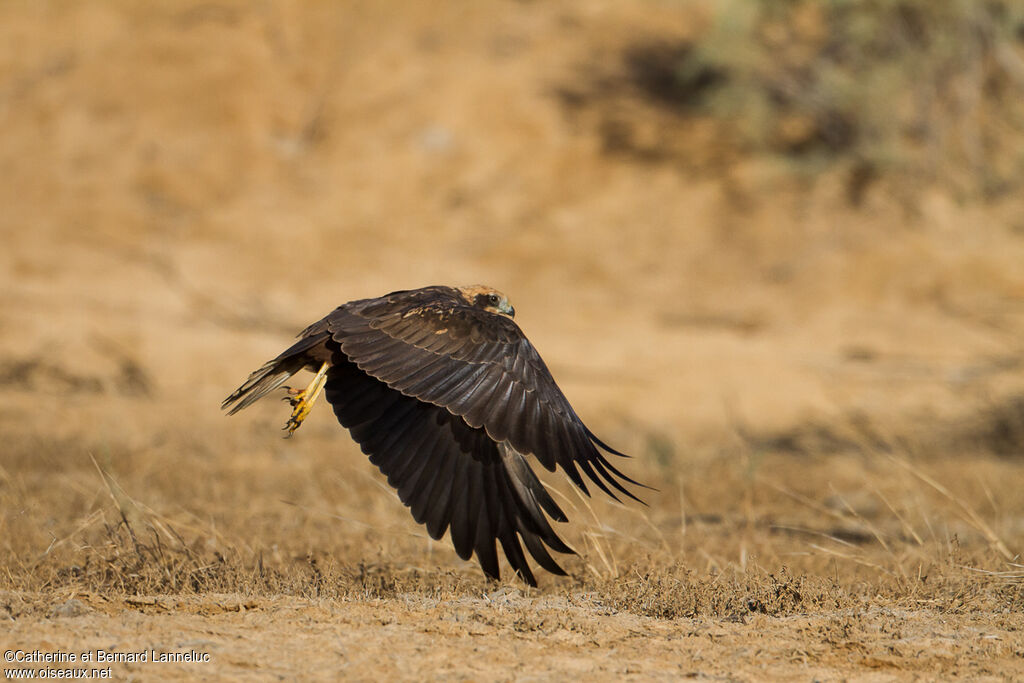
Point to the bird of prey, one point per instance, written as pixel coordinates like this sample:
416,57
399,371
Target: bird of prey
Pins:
447,397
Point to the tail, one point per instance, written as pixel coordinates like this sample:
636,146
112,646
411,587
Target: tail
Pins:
273,374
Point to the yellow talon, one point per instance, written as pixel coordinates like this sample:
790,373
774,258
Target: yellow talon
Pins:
302,401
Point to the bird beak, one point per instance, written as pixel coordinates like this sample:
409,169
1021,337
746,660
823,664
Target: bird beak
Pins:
507,309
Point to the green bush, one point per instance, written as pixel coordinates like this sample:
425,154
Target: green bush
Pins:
932,90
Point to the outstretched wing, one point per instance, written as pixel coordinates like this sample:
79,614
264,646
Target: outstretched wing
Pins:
450,474
476,365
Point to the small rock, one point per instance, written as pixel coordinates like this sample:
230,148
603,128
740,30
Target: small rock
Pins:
504,596
71,608
436,139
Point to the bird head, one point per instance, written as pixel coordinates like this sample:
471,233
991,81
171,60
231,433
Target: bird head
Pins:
487,298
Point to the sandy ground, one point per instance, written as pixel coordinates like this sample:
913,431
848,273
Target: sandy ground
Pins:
815,388
512,637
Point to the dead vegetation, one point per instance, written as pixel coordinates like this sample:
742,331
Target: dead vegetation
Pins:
863,552
760,531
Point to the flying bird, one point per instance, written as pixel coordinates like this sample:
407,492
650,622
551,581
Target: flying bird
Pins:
447,397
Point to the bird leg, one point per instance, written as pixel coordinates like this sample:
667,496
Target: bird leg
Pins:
302,401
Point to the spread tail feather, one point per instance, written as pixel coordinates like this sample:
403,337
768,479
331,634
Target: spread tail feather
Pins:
273,374
260,383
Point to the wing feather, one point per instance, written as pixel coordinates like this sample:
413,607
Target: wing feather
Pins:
432,493
514,553
532,495
491,525
480,357
540,553
439,503
417,474
460,524
453,477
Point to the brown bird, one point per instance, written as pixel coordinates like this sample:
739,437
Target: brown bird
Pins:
447,397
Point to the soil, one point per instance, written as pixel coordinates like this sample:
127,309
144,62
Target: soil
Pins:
825,394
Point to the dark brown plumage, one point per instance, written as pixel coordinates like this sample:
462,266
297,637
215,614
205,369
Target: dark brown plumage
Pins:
447,397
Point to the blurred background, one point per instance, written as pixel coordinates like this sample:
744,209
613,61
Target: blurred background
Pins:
730,228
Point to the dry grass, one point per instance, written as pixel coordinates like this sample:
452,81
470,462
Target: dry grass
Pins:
741,532
810,557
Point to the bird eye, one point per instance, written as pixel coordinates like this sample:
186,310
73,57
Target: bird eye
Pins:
493,298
